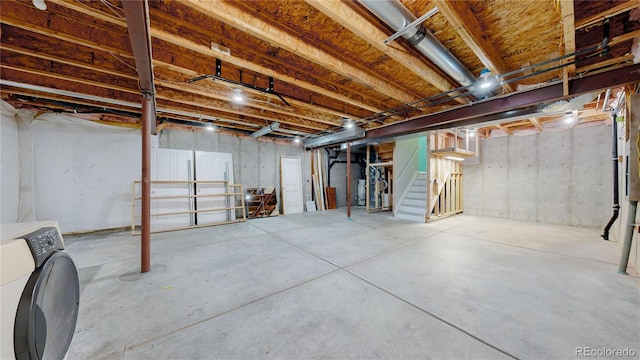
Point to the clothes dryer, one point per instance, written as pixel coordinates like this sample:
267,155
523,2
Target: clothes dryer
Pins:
40,292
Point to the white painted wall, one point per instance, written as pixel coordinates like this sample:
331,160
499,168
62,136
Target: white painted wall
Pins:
80,173
9,165
83,172
561,177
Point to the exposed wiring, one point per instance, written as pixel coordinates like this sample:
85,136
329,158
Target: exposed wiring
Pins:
111,7
118,12
122,61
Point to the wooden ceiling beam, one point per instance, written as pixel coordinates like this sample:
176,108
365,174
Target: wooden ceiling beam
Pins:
230,14
104,64
66,61
60,27
624,37
503,128
569,45
81,77
67,99
197,111
536,122
619,8
357,24
236,41
462,19
606,63
206,50
223,106
163,93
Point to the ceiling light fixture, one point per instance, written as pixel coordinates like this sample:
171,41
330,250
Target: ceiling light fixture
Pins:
238,97
571,117
297,140
265,130
454,158
487,80
347,123
218,76
40,4
210,127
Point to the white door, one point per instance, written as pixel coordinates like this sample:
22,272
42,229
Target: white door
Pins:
214,166
170,164
291,185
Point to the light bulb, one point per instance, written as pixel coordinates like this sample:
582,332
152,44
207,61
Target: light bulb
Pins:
238,96
40,4
486,84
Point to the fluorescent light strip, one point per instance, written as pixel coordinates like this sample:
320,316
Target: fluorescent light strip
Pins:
454,158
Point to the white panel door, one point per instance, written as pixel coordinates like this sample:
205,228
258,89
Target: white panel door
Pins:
291,184
176,165
213,166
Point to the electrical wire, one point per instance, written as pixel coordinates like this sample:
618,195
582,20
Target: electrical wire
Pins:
122,61
114,9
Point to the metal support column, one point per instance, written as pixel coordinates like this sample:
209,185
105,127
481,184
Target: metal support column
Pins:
148,120
349,180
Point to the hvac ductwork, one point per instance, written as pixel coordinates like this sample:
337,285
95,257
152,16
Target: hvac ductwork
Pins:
336,138
396,16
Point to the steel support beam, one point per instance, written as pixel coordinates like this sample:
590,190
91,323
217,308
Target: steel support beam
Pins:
138,26
148,118
502,105
349,180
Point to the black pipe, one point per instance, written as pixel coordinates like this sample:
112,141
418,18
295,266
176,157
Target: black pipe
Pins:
335,156
616,200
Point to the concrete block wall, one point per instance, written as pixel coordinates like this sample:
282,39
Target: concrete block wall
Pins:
256,163
339,181
561,177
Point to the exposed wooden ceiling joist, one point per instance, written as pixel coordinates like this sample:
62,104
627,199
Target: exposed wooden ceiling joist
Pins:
206,50
257,27
326,57
357,24
619,8
466,24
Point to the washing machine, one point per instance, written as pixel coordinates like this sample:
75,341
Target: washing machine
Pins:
39,290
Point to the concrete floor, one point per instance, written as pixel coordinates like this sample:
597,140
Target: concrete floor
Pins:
316,285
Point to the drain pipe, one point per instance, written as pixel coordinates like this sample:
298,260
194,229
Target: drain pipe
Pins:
396,16
628,237
616,195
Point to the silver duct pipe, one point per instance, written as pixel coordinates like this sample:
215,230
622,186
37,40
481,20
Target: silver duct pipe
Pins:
395,15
